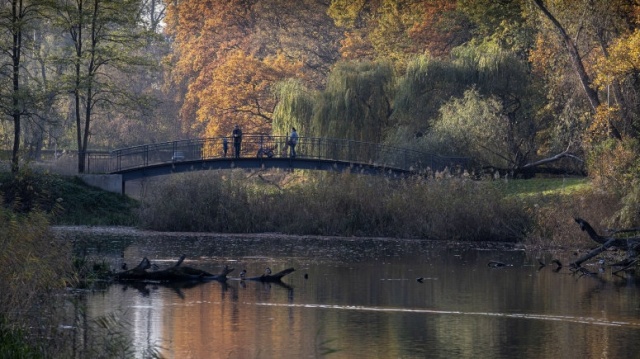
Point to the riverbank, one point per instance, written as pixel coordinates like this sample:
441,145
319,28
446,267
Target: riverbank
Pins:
533,212
119,232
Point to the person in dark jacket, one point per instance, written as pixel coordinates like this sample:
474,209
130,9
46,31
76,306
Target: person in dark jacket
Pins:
237,140
225,146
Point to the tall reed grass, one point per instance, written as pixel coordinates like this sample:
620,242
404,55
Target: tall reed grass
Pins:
39,317
35,267
334,205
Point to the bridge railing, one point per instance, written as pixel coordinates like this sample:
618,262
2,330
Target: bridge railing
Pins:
276,146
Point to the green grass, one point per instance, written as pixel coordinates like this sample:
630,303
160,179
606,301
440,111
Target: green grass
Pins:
543,186
67,199
87,205
14,345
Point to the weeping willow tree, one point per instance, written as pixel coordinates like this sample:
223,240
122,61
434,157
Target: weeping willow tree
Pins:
294,109
427,83
356,103
430,82
434,93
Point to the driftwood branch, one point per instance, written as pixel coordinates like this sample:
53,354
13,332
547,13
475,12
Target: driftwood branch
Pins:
268,277
180,274
554,158
538,166
631,244
176,273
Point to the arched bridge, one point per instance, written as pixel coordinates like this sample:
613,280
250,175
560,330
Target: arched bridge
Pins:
265,152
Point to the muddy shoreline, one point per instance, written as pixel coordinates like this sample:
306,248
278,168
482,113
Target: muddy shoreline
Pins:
110,231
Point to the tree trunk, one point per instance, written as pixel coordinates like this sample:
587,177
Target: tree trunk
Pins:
631,244
16,51
576,59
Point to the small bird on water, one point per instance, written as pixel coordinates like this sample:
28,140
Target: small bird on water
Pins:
267,271
243,274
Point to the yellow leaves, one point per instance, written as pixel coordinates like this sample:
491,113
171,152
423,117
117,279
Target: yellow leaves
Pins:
345,12
543,55
623,60
600,128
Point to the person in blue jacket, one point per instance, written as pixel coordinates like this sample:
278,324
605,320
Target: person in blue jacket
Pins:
293,141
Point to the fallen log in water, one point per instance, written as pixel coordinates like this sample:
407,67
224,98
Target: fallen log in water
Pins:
177,273
268,277
631,244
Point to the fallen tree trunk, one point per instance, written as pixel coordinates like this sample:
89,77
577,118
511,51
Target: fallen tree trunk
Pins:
630,245
177,273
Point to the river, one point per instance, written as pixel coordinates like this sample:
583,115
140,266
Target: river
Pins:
361,298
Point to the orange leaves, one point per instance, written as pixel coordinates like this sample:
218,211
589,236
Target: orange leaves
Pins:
355,47
228,54
239,91
544,55
439,29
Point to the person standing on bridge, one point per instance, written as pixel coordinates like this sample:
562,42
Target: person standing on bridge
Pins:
293,141
237,140
225,146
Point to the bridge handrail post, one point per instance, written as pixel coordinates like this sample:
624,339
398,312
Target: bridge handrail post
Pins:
119,161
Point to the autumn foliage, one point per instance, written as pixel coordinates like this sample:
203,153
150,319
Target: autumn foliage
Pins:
564,72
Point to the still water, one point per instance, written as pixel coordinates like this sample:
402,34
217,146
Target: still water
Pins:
359,298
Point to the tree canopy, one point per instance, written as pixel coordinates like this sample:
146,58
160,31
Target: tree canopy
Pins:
540,77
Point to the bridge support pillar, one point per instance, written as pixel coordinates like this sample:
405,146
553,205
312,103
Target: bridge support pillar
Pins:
111,183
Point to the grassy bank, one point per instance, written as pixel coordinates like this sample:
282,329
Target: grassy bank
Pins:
537,211
68,200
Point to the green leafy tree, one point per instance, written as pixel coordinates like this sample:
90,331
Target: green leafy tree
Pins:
103,35
17,101
478,127
295,108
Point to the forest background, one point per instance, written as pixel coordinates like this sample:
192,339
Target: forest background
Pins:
513,84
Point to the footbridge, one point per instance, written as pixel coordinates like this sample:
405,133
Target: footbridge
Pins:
266,152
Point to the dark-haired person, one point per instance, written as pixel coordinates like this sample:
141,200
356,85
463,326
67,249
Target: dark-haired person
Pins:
237,140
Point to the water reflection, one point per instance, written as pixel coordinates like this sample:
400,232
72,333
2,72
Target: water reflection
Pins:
360,299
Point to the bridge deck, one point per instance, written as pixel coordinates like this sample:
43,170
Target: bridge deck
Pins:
264,151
